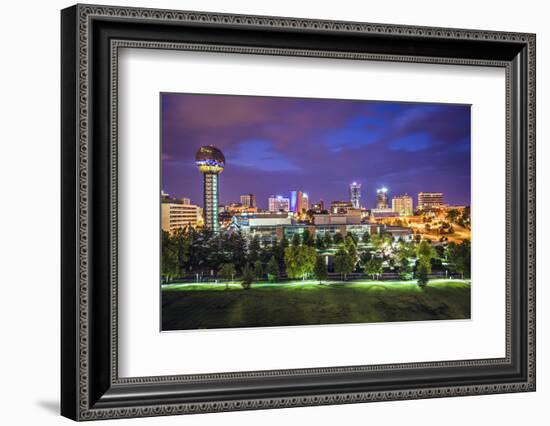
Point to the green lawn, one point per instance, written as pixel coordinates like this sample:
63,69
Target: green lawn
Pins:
192,306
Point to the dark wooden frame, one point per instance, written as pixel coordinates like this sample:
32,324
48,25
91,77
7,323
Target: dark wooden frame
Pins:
90,386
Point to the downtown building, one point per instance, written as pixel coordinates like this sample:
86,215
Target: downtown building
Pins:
382,198
340,207
278,204
430,200
179,213
355,195
270,228
299,202
248,200
402,205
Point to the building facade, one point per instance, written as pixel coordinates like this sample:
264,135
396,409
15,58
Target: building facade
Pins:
382,198
177,214
299,202
430,200
278,203
355,195
248,200
340,207
403,205
318,207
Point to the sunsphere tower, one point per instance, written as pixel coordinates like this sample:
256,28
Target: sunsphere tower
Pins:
211,162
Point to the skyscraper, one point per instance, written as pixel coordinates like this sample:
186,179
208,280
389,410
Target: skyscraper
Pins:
211,163
382,198
248,200
402,204
299,201
355,195
304,203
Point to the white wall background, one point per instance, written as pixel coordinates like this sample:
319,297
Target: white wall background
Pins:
29,212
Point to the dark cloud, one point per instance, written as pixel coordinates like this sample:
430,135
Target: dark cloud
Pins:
273,145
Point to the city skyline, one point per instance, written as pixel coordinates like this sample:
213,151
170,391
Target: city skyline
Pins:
277,145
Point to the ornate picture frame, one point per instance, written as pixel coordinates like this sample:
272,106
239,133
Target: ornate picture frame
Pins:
91,38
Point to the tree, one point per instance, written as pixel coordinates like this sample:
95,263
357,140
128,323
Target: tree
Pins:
307,239
422,272
377,242
227,271
320,269
319,243
405,268
373,266
366,237
258,270
296,240
338,238
425,250
465,218
254,249
234,245
343,263
458,256
364,258
248,277
327,240
170,264
452,215
351,248
182,242
272,269
300,261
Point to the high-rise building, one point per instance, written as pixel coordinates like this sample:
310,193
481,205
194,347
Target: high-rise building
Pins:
248,200
299,202
430,200
303,203
382,198
355,195
402,204
177,214
278,203
211,163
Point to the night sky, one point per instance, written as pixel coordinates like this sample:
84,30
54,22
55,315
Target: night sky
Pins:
319,146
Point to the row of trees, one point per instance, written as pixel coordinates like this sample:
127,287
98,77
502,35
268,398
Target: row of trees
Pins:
188,252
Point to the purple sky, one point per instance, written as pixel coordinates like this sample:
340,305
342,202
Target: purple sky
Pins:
319,146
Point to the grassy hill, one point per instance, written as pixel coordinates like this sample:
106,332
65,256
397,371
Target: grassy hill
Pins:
188,306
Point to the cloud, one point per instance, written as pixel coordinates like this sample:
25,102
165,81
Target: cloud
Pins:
412,143
260,154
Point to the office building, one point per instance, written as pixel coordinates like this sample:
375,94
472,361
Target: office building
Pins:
355,195
318,207
299,202
211,162
352,217
278,203
248,200
382,198
403,205
430,200
340,207
176,214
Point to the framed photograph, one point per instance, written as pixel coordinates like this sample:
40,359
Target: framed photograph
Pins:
264,212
